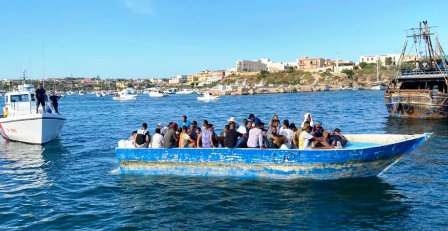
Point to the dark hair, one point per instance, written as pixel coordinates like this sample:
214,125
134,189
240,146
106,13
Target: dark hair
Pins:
184,128
251,116
286,123
205,122
227,126
134,132
337,130
145,125
158,130
195,123
292,126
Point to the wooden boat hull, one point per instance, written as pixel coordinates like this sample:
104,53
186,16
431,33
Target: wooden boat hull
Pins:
271,163
416,104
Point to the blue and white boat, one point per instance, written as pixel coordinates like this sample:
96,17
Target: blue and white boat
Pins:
365,155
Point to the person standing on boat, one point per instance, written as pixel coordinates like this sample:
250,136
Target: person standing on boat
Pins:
40,97
54,101
184,122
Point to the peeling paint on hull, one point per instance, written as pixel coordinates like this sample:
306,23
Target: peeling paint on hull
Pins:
268,163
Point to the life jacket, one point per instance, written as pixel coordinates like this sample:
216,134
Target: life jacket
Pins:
5,111
140,138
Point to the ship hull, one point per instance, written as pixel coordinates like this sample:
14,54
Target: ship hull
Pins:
416,104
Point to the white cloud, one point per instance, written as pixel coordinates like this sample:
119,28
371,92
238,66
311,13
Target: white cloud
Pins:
139,6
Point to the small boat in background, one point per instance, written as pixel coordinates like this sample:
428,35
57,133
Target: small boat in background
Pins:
185,92
81,92
126,94
366,155
207,97
156,94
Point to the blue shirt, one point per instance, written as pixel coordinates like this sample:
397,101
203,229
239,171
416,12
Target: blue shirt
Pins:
186,123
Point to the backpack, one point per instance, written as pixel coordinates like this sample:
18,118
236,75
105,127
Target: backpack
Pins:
141,137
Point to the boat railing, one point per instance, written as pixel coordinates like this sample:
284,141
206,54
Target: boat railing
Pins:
418,96
425,74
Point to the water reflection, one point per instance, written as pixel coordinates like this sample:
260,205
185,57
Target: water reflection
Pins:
260,204
24,166
412,126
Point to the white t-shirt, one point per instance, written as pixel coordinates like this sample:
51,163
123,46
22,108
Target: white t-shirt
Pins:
157,141
288,134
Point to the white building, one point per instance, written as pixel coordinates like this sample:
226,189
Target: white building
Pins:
389,58
340,65
250,66
274,67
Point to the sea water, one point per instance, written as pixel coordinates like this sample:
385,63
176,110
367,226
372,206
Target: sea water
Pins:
73,182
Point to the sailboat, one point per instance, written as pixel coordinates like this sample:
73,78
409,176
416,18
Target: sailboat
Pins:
378,85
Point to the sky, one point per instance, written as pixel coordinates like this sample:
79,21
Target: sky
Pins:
162,38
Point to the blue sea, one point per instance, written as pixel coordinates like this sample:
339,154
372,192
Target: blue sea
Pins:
72,183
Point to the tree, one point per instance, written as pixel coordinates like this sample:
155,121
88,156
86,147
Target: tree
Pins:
363,65
349,73
388,61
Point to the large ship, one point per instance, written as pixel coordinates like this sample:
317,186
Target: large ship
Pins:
419,88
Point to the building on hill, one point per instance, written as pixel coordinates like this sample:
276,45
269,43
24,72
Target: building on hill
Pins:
314,64
250,66
385,60
206,77
273,66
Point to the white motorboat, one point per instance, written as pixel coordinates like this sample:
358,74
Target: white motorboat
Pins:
98,94
126,94
170,91
207,97
378,87
69,93
21,123
156,94
81,92
185,92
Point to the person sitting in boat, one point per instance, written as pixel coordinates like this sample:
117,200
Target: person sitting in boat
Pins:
40,97
305,138
271,136
323,142
129,143
287,133
281,141
54,101
243,134
192,133
184,138
294,130
230,136
142,138
256,136
170,139
157,139
207,136
307,118
337,139
317,130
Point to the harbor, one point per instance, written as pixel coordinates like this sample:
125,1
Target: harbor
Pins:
224,115
80,170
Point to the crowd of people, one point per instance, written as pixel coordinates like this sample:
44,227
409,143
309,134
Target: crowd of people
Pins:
250,133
